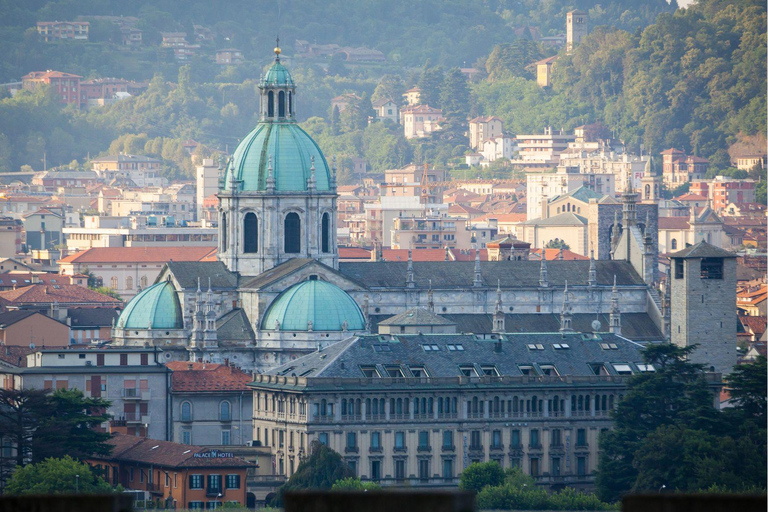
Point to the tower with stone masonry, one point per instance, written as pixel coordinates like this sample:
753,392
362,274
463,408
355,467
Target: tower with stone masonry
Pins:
703,304
650,183
576,28
278,193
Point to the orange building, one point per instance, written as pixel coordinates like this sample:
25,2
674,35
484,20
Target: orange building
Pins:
66,85
174,475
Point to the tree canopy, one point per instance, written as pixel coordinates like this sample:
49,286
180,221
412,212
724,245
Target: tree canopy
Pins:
64,475
320,470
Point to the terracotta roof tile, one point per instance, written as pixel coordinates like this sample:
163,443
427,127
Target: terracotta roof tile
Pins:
674,223
354,252
554,254
202,377
61,294
165,453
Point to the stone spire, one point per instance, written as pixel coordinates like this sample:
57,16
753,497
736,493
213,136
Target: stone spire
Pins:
666,310
409,281
270,177
543,277
311,180
629,201
616,233
210,319
648,239
592,269
333,172
198,324
615,318
566,314
478,273
430,298
498,314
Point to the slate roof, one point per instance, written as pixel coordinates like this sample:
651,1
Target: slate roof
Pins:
275,273
513,274
234,326
92,317
11,317
165,453
206,377
702,250
187,273
416,316
634,326
344,359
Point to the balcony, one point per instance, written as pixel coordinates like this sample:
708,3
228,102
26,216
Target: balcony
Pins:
424,449
136,394
351,449
497,447
400,449
449,448
137,417
212,491
475,447
375,449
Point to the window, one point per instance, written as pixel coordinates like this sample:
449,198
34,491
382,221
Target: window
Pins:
423,440
375,470
195,481
129,283
490,370
534,466
292,233
548,369
674,244
225,411
144,360
375,440
622,369
323,438
447,468
475,440
447,439
351,441
226,437
555,470
123,359
468,370
424,469
535,443
679,269
419,371
250,233
186,411
370,371
430,348
271,104
400,440
645,367
527,370
496,439
281,104
712,268
196,505
394,371
515,439
326,233
581,437
556,437
223,231
214,483
457,348
233,481
598,369
399,470
581,466
186,437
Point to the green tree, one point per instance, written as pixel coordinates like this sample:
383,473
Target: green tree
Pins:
106,290
336,66
20,412
513,59
320,470
430,85
480,475
354,484
62,475
557,244
390,87
748,387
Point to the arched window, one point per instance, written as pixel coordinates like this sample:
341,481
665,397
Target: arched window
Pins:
326,232
113,283
186,411
225,411
250,233
292,233
281,104
674,244
270,104
223,232
143,281
647,191
129,283
290,103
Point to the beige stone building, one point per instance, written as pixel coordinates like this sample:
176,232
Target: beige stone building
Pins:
484,128
420,121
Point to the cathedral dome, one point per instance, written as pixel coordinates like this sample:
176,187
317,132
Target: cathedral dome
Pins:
291,150
324,304
278,75
156,307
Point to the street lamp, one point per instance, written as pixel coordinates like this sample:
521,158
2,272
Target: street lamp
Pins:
663,486
77,484
218,499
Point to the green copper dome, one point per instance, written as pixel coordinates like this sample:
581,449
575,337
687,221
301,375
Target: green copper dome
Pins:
156,307
278,75
324,304
291,149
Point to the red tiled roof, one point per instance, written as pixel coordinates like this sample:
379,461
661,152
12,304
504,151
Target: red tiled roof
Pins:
18,279
691,197
139,254
354,253
165,453
756,324
61,294
460,208
502,217
554,254
469,255
674,223
16,355
202,377
671,151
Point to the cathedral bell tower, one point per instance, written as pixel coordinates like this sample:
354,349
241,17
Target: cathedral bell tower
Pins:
277,197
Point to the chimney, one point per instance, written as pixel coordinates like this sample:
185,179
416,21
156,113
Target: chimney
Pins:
190,366
497,346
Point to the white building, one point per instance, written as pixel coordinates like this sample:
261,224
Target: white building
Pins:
498,147
386,109
484,128
207,183
542,187
542,150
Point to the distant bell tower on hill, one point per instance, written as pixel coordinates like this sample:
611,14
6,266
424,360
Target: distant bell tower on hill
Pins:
577,29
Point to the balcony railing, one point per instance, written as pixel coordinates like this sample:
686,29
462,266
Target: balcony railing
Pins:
137,417
136,394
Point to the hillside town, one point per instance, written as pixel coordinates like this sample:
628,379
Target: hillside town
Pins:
229,308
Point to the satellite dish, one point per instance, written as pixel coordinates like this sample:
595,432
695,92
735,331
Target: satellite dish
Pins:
596,325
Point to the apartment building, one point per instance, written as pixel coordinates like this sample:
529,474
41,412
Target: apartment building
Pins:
63,30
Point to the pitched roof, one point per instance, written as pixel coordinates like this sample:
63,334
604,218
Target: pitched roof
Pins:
11,317
502,217
554,254
702,250
674,223
234,326
165,453
162,254
207,377
188,272
512,273
691,197
354,253
92,317
416,316
563,219
756,324
16,355
61,294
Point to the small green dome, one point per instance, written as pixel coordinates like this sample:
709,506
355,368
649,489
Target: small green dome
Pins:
156,307
278,75
291,149
321,302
